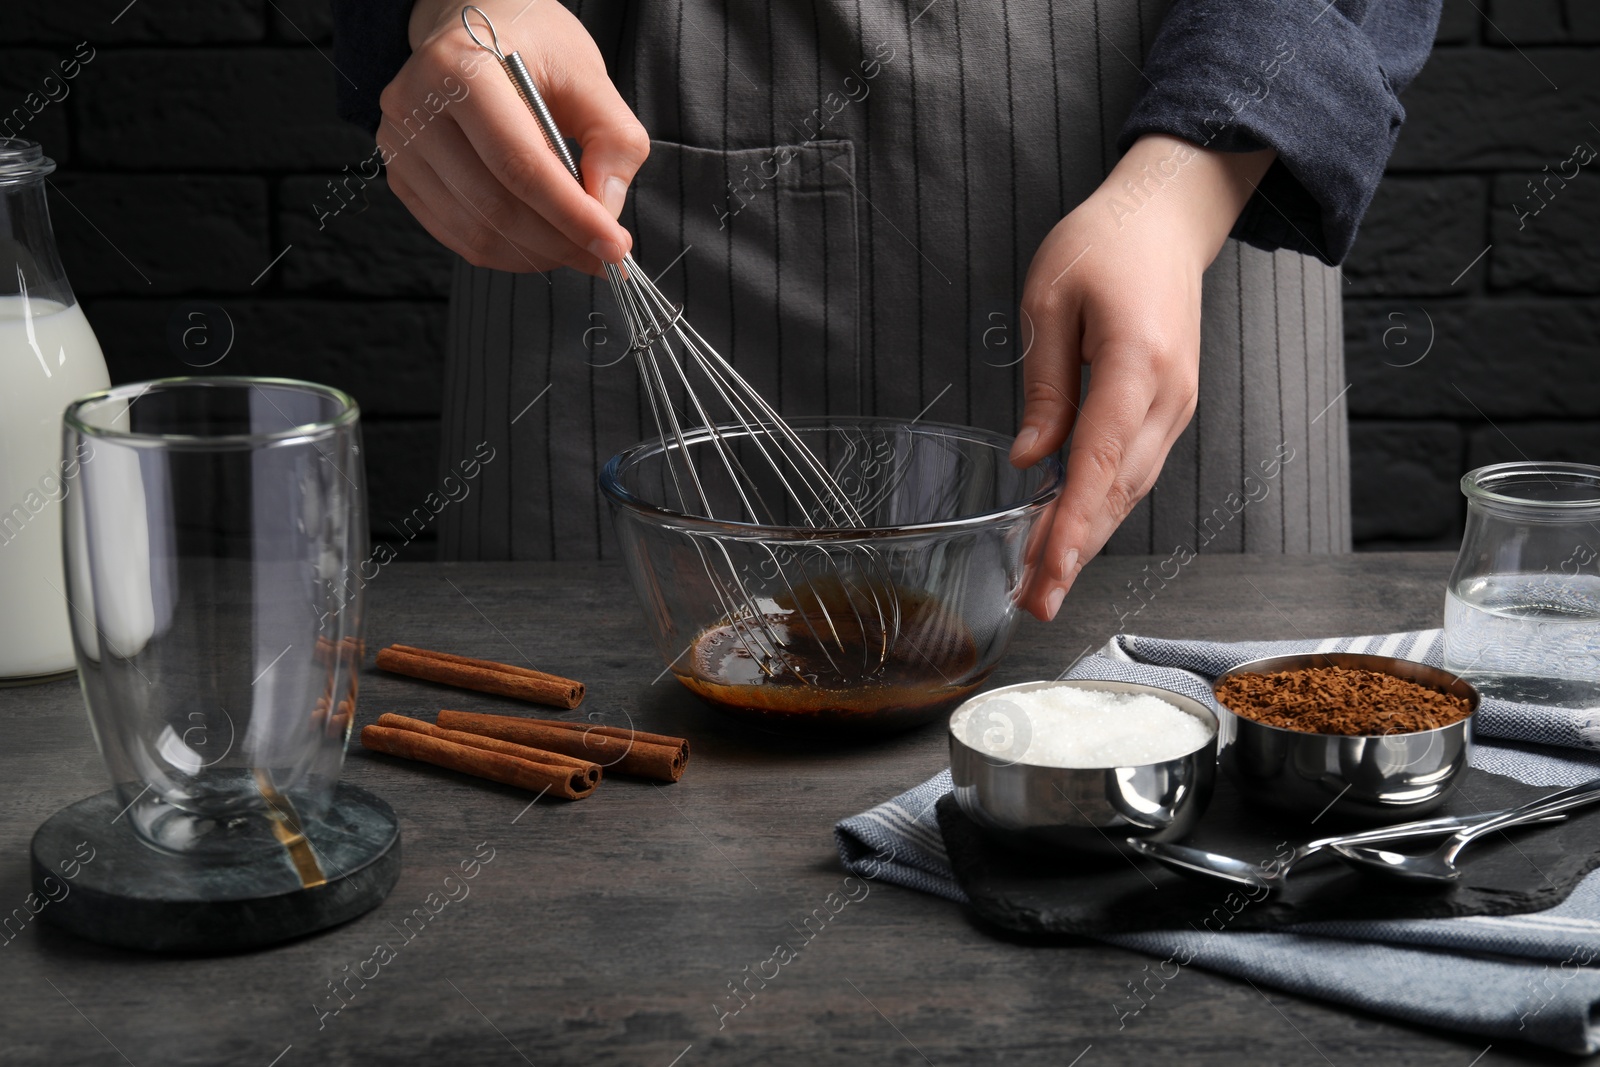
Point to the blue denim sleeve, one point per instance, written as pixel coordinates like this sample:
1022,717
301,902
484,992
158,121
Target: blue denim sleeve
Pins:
1317,81
370,45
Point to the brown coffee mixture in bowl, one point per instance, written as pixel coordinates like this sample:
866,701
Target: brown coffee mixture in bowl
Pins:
1340,700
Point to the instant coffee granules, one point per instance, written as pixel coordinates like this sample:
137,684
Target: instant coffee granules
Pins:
1340,700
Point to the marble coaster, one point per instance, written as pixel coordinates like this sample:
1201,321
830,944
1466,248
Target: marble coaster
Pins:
97,880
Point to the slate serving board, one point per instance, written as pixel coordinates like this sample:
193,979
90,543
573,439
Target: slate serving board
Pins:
1524,869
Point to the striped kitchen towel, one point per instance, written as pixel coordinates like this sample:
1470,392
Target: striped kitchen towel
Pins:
1523,977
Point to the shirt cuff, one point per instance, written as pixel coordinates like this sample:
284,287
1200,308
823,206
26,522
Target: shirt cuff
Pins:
1243,76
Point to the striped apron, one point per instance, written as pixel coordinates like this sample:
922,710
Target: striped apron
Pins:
845,195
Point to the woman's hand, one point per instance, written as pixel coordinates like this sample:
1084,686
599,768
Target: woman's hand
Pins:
468,159
1116,287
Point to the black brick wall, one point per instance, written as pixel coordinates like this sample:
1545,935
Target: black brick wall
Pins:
195,143
193,147
1512,88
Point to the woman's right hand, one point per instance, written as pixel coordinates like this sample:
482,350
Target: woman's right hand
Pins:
468,159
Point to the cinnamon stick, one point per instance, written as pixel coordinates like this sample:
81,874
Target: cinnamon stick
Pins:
492,744
482,675
482,757
615,748
347,646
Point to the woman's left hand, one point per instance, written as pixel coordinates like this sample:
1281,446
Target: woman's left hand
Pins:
1115,287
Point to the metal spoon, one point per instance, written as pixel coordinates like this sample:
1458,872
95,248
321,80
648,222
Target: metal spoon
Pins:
1271,874
1440,864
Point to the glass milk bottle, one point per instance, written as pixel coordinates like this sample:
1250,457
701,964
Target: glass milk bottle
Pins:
48,358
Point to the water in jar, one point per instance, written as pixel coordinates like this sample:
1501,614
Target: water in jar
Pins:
1527,637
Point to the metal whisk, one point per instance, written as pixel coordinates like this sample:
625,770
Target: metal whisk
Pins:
670,353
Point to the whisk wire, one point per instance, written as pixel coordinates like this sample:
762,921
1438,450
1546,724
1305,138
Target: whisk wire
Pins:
668,353
743,611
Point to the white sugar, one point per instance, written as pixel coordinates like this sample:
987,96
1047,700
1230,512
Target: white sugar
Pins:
1064,726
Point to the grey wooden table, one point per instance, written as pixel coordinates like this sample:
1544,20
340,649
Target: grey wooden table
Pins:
604,932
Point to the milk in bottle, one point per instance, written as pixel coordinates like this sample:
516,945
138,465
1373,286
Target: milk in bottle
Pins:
48,357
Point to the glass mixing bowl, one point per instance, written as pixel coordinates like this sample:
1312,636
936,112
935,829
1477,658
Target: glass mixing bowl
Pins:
867,629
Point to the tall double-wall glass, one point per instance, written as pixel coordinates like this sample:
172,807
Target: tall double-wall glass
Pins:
212,533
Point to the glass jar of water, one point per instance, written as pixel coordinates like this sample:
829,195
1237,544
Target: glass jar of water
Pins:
1522,612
